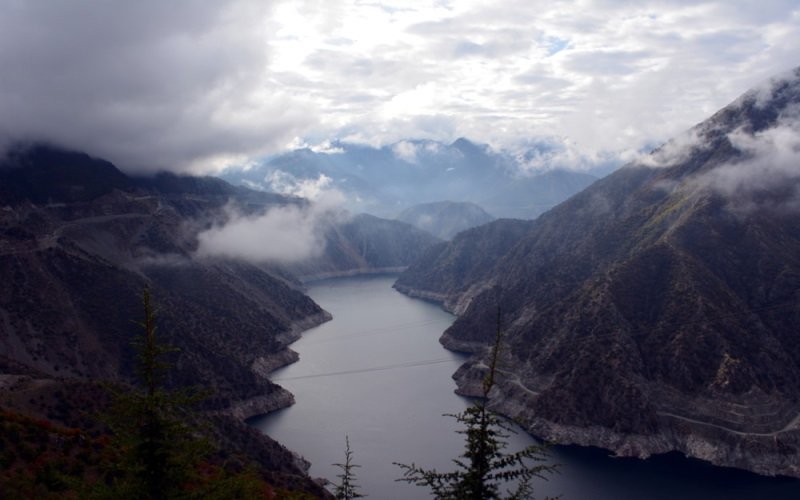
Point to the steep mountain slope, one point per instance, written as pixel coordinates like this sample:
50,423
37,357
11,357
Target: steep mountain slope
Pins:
658,309
445,219
383,181
79,241
365,244
78,247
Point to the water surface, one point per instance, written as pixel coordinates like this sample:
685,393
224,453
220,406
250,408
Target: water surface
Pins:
377,374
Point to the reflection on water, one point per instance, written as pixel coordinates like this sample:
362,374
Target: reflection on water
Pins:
377,374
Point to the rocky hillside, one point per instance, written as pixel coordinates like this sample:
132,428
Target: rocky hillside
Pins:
656,310
80,240
445,219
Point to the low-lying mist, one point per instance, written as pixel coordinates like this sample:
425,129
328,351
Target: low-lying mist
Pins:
284,234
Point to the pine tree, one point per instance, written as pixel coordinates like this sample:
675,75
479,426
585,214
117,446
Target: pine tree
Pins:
485,466
347,488
157,448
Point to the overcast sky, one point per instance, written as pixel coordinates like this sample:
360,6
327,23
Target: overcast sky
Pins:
196,85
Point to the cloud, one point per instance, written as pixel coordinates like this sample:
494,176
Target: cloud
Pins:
150,85
406,151
610,76
196,85
673,152
769,174
285,234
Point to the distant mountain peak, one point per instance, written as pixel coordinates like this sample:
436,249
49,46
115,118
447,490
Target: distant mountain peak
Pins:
383,180
468,147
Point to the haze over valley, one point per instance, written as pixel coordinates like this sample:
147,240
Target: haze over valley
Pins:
225,223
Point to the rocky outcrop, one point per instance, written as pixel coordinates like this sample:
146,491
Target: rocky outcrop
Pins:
260,405
766,441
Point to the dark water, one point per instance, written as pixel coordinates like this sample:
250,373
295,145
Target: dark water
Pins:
377,374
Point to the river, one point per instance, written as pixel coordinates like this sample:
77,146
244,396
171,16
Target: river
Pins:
377,374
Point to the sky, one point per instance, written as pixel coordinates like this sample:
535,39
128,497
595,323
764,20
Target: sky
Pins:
200,85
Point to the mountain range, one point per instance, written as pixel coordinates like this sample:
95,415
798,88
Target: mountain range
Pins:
80,241
385,181
658,309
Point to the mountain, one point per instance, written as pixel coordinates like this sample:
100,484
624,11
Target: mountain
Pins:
365,244
80,240
656,310
445,219
386,180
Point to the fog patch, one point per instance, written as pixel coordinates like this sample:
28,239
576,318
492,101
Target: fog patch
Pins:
770,172
765,93
406,151
319,189
674,151
283,234
533,157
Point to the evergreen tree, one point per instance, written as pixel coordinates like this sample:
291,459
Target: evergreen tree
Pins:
485,466
347,488
157,448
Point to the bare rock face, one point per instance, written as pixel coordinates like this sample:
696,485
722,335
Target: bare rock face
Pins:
656,310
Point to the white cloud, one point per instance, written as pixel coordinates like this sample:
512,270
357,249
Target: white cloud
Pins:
675,151
285,234
180,85
771,164
196,85
318,190
406,151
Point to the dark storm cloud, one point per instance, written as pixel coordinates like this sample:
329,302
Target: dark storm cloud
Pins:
147,84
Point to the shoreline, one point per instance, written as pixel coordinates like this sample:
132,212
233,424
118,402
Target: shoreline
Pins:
767,454
309,279
263,366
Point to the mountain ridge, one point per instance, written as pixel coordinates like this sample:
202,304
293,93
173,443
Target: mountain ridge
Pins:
76,251
445,219
383,181
640,312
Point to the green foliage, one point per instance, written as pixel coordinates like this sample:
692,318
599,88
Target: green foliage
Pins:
485,466
347,488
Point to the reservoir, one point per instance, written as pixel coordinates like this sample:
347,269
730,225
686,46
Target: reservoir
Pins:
377,374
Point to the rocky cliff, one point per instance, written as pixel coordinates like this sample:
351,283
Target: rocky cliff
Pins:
659,308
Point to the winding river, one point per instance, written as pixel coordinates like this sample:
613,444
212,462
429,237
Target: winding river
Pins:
377,374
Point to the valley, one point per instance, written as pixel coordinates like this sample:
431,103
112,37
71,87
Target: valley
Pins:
649,313
655,311
378,375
